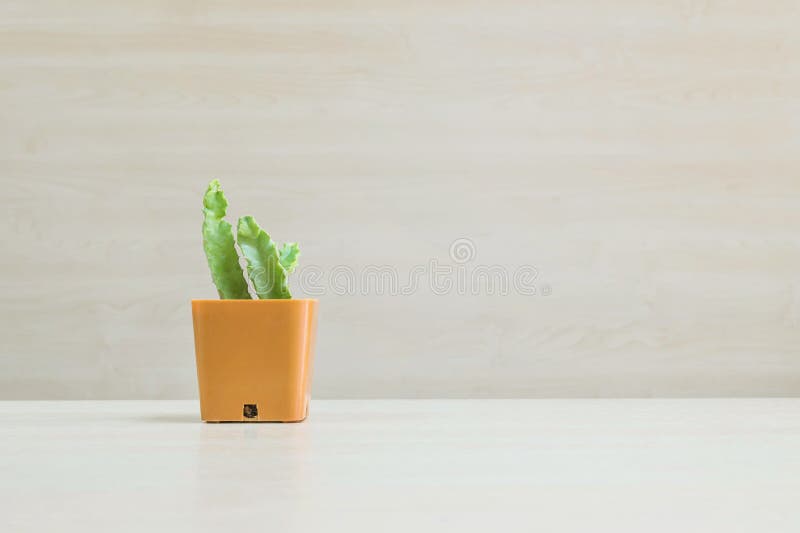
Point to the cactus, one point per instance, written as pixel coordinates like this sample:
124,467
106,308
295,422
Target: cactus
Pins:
218,245
288,256
263,262
267,267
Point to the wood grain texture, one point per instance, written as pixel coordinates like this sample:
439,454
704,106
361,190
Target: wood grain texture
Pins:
644,157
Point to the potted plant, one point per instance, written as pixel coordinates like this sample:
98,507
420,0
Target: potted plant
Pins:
254,352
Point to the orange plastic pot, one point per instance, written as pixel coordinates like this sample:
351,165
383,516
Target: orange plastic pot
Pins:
254,358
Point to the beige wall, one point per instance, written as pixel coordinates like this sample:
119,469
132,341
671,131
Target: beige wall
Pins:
643,156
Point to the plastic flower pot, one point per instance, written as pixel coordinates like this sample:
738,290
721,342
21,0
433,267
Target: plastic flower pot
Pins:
254,358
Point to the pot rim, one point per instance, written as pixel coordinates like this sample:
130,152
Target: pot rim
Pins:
259,301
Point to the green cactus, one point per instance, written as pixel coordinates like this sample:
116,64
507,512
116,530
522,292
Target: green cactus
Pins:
267,267
263,262
288,255
219,246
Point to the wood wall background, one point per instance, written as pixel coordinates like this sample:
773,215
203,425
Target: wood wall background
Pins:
643,156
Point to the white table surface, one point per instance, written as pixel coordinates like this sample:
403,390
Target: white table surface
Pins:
386,465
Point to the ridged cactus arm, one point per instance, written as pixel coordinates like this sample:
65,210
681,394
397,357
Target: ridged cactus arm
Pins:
219,245
263,261
288,255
